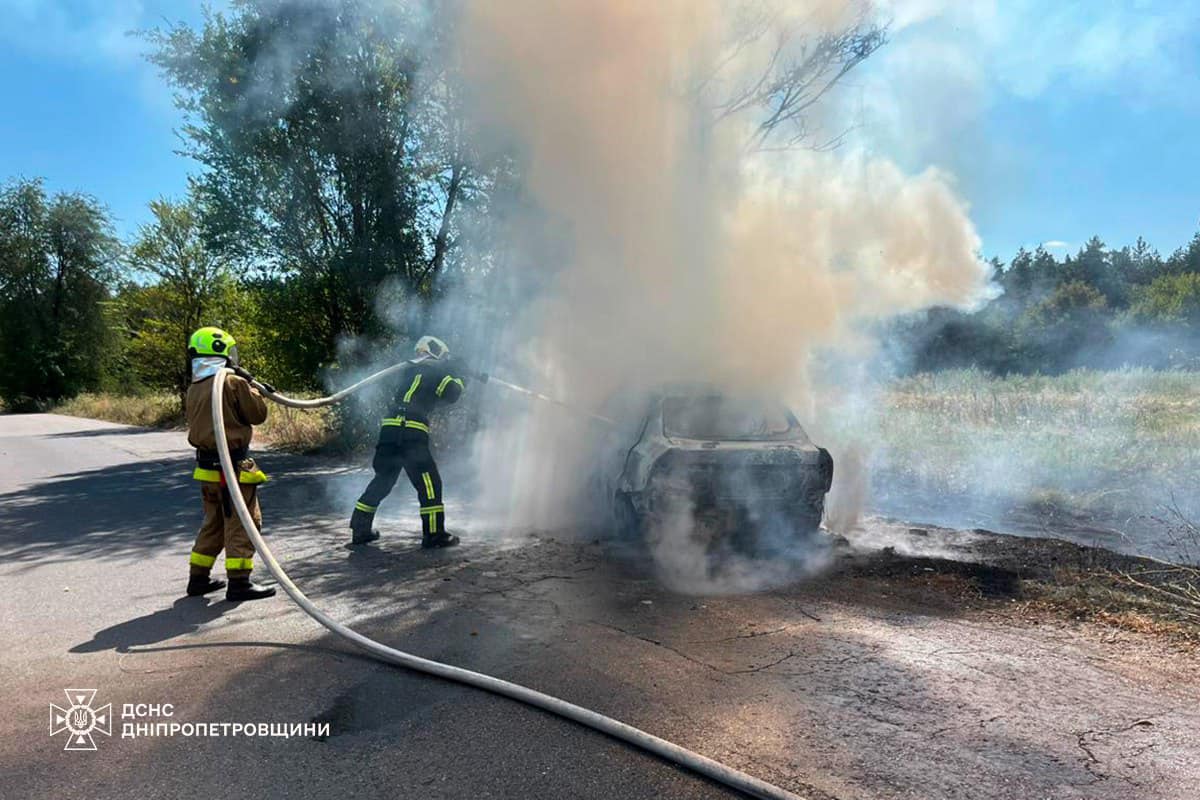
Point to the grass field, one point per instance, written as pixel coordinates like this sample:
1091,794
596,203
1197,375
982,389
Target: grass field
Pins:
285,428
1123,446
1101,433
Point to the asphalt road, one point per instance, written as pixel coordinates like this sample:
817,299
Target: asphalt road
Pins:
835,689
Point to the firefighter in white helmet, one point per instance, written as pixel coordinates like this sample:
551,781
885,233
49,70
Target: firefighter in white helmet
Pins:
404,445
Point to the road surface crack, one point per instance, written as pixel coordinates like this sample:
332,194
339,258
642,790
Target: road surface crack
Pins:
983,723
750,635
693,659
515,583
663,645
762,667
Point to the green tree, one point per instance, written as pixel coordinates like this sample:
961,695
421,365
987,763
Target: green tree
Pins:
1018,278
1094,266
185,287
1047,273
1137,265
58,258
1066,326
334,153
1185,259
1172,299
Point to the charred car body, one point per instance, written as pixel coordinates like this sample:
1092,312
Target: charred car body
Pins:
741,466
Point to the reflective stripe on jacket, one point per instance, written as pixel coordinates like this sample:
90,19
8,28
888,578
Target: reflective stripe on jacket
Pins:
424,385
253,476
403,422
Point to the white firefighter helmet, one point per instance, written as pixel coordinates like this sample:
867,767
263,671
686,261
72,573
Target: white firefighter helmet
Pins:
431,347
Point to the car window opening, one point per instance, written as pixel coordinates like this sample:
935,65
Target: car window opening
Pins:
719,418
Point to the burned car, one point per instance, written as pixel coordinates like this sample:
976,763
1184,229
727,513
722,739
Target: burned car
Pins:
739,465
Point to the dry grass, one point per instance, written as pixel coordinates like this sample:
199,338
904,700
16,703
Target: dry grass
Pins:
285,429
157,410
1078,432
1086,440
1156,602
297,430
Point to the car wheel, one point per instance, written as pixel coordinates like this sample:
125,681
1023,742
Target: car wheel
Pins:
809,520
626,519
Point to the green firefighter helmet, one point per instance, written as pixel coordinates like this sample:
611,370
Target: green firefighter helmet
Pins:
431,347
212,342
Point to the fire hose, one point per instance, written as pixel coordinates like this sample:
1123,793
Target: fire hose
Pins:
269,391
714,770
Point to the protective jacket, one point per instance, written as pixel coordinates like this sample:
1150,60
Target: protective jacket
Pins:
422,386
242,407
404,446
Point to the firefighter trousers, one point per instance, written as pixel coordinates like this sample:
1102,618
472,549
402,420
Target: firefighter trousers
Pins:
403,450
222,529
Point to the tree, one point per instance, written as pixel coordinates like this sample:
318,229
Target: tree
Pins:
1047,273
945,338
1185,259
190,287
335,158
58,258
1138,265
1172,299
1063,329
800,69
1094,266
1018,278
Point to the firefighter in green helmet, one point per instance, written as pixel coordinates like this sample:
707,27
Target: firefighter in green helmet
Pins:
211,350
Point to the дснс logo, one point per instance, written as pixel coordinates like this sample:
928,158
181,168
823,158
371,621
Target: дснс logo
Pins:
80,720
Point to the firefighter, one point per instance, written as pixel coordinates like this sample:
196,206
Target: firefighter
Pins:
210,350
404,445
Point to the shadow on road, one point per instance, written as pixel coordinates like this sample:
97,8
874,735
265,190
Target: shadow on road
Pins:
253,645
185,615
108,431
124,510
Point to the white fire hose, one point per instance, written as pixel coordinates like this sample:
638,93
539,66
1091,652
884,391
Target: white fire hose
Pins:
661,747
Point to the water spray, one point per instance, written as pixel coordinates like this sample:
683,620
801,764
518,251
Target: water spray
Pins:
707,767
547,399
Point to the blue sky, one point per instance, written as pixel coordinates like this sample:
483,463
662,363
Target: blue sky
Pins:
92,115
1057,120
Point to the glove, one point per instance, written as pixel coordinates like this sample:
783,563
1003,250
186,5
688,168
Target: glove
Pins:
475,374
241,372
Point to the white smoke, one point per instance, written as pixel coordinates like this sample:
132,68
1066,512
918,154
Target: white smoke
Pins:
691,253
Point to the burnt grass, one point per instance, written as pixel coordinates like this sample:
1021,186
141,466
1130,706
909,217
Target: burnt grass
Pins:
982,572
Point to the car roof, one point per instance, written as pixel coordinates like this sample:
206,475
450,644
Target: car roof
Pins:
701,389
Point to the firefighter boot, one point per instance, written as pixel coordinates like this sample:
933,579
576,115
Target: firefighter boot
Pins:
242,589
203,584
364,536
361,527
437,540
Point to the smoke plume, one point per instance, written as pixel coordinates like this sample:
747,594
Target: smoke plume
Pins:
696,247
